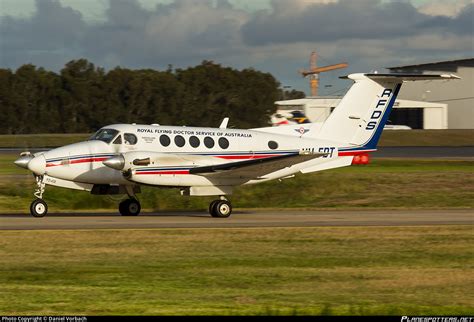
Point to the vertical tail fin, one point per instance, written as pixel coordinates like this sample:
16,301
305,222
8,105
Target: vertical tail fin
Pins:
361,115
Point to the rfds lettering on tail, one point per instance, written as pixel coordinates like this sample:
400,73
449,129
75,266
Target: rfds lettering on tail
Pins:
381,104
120,158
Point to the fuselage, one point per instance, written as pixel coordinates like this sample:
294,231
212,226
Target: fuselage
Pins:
189,146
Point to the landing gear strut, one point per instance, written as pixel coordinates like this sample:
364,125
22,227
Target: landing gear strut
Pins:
39,208
220,208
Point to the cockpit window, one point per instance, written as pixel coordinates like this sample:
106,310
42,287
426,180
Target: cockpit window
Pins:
130,139
105,135
118,140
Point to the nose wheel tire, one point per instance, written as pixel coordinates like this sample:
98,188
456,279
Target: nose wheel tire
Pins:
212,207
38,208
129,207
220,209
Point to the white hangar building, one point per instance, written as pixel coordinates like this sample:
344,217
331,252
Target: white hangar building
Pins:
420,105
457,94
415,114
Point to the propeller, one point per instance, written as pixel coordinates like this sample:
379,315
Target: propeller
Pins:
24,159
116,162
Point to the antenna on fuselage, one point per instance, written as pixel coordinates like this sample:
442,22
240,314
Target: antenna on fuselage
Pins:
224,123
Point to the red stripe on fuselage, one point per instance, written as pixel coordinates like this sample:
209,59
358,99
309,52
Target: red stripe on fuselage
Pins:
77,161
164,172
241,157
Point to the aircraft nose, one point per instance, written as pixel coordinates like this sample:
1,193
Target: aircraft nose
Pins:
23,161
37,165
117,162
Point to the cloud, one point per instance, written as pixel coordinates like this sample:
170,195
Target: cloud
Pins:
53,31
443,7
363,19
183,32
369,34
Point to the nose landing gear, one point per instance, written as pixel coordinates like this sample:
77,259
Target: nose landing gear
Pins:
39,208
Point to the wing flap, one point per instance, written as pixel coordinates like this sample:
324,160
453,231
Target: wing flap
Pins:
256,168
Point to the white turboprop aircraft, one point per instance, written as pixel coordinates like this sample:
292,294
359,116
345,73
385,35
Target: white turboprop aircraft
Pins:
212,161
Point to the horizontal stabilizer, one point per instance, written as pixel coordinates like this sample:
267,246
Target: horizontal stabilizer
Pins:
402,77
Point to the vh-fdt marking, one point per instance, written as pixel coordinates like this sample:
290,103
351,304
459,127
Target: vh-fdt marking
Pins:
119,158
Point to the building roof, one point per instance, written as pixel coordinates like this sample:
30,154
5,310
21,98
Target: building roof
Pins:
468,61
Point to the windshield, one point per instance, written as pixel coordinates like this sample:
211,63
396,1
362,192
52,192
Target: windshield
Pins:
105,135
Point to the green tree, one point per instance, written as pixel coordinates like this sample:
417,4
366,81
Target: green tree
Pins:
82,86
8,115
83,98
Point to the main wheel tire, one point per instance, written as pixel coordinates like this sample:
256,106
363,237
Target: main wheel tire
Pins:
123,207
212,208
222,209
38,208
129,207
134,207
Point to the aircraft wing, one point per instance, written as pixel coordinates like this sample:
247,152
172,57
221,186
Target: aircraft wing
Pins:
256,168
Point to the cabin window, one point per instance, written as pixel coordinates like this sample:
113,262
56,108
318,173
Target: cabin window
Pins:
272,145
223,143
118,140
165,140
194,141
209,142
130,139
179,141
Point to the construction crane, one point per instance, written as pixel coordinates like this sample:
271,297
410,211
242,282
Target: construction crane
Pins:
314,71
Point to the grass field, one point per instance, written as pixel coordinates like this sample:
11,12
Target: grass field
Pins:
384,183
389,138
257,271
277,271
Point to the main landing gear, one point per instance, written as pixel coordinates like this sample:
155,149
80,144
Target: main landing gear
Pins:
39,208
220,208
130,206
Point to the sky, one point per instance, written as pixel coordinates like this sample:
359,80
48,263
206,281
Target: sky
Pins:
275,36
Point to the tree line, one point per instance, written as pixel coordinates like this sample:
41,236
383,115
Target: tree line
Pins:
82,97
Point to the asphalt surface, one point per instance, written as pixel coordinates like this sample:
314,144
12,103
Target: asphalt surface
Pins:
274,218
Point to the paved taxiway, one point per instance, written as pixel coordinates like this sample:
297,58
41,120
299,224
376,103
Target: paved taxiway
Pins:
246,218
